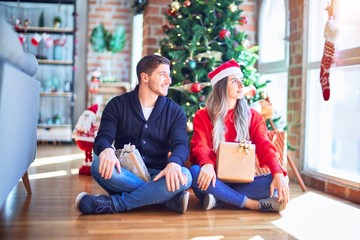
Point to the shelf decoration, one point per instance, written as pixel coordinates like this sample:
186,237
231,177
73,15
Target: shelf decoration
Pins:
57,22
84,134
103,40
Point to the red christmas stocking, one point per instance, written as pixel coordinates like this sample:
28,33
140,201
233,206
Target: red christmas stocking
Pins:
327,58
326,61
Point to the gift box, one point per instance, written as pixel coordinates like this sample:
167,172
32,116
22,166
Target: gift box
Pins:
236,162
130,159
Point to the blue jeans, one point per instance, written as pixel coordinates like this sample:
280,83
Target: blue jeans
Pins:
128,191
233,193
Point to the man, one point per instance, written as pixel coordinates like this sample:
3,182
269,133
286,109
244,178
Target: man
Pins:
156,125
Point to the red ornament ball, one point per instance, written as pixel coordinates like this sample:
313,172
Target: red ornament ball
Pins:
187,3
224,33
243,20
196,87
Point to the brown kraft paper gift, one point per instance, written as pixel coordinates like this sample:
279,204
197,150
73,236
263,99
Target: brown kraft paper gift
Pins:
236,162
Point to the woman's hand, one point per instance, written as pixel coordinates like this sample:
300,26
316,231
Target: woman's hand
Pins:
107,161
281,183
207,175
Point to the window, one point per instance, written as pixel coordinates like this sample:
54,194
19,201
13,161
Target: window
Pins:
274,52
332,135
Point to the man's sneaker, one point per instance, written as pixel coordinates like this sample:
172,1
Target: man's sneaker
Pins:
179,203
87,203
271,204
209,202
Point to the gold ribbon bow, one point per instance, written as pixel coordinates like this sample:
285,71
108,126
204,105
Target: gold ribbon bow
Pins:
244,146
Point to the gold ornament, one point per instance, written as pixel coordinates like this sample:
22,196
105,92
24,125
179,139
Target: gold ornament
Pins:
210,54
232,7
175,6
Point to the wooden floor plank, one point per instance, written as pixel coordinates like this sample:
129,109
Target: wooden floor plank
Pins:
49,212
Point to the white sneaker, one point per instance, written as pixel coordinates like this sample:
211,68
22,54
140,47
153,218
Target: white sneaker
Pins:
209,202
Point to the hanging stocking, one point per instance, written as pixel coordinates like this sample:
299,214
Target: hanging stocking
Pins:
330,34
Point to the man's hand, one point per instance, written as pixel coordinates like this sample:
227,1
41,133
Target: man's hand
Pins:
281,183
107,162
173,176
207,175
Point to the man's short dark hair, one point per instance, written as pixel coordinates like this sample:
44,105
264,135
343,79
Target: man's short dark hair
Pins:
149,63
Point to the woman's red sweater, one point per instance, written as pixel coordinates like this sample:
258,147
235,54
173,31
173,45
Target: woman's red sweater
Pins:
202,152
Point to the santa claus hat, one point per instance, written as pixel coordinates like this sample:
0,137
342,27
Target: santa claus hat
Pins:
224,70
92,109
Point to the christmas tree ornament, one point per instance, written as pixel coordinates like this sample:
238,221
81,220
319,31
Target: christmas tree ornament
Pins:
232,7
171,12
210,54
84,134
187,3
192,64
224,33
196,87
175,6
330,34
188,86
243,21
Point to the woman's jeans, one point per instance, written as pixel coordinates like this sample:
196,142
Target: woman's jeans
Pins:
128,191
233,193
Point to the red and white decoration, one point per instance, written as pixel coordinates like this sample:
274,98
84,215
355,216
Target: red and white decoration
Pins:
84,134
35,40
330,34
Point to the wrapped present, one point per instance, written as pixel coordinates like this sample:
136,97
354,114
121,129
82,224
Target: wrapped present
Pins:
236,162
131,160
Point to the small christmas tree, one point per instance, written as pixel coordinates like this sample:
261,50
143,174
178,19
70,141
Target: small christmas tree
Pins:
201,35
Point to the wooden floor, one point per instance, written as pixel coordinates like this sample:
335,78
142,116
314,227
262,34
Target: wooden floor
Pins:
49,212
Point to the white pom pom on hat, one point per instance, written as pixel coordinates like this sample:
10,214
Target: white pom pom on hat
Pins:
224,70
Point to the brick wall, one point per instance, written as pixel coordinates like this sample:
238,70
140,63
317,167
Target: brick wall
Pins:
296,85
154,19
112,13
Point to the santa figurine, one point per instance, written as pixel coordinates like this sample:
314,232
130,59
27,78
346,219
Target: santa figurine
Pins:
84,135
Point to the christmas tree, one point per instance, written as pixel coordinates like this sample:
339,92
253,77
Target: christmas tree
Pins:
201,35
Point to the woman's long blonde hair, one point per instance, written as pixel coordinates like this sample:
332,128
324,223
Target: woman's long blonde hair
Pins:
217,106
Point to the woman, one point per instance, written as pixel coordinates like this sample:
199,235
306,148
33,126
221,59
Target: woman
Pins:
227,117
